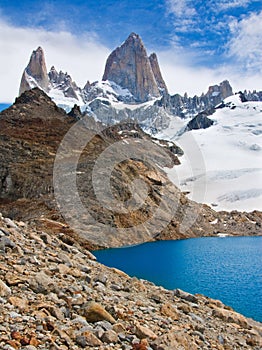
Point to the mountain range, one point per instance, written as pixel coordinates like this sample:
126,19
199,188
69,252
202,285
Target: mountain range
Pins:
132,87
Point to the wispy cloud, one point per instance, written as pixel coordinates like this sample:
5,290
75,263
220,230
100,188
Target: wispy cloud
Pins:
83,57
181,8
226,5
246,43
220,46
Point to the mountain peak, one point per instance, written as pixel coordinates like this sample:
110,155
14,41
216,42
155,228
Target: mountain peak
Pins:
130,67
133,36
35,74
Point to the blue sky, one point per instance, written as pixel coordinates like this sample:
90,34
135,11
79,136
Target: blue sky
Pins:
198,43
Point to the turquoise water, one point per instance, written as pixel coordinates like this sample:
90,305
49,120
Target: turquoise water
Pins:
229,269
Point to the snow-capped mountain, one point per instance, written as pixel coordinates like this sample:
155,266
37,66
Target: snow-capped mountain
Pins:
219,132
222,165
132,87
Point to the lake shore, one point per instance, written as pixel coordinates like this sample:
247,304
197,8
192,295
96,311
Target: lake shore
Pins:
54,295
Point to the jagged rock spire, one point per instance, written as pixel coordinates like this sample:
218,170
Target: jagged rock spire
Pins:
157,73
130,67
35,74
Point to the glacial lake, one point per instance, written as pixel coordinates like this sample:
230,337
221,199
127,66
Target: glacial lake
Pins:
228,269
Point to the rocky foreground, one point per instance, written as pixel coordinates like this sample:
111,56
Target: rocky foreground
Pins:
54,295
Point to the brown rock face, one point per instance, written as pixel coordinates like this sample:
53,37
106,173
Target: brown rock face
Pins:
35,69
129,67
157,73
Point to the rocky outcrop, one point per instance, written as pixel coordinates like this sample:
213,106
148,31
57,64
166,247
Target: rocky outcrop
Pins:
253,95
55,295
188,107
129,67
200,121
63,81
35,74
157,73
218,93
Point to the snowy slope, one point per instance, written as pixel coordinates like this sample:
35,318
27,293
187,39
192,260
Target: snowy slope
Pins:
107,91
222,165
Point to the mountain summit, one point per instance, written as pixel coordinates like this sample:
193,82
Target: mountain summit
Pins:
57,85
35,74
131,68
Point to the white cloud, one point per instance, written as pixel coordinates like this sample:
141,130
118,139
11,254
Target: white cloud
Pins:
180,8
225,4
246,42
181,74
82,57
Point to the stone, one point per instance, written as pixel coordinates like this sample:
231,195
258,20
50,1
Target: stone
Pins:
87,339
6,242
200,121
105,325
14,279
41,283
174,340
185,308
144,332
20,303
169,310
46,238
109,337
4,289
142,345
10,223
196,317
102,278
230,316
95,312
119,328
186,296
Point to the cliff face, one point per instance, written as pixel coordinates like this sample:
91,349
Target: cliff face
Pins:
157,73
129,67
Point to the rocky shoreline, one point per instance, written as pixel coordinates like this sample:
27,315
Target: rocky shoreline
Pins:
55,295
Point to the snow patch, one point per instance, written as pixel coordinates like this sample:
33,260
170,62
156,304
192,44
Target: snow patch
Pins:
220,165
